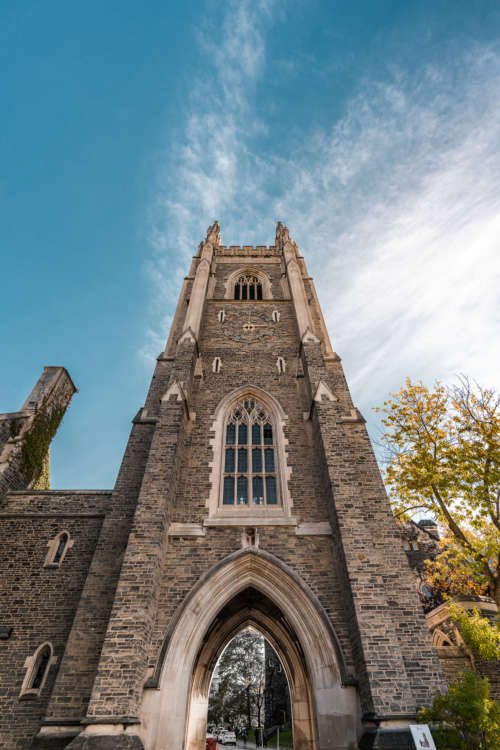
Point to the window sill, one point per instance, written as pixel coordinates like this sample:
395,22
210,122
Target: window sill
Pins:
29,695
250,517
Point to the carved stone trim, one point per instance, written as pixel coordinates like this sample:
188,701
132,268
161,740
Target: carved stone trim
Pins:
324,391
353,417
186,529
176,389
321,528
187,335
241,519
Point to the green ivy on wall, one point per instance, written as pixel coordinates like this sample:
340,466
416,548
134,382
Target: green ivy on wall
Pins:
35,451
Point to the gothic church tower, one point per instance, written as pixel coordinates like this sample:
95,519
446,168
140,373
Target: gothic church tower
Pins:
248,494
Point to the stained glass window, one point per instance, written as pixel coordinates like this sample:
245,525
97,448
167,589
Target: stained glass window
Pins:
249,475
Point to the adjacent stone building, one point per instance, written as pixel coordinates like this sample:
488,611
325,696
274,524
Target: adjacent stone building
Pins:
248,494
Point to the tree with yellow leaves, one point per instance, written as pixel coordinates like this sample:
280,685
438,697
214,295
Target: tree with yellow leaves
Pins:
443,457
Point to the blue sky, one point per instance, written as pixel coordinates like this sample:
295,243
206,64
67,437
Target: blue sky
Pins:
371,128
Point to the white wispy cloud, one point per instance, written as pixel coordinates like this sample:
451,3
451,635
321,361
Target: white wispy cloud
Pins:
212,168
395,206
397,209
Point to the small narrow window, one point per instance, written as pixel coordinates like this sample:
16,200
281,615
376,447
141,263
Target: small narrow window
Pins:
58,549
222,316
63,540
281,365
43,663
37,669
276,316
217,365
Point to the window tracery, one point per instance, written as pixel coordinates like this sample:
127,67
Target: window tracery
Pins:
249,474
248,287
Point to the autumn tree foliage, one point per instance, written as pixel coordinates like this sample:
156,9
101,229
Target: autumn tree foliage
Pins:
479,633
443,457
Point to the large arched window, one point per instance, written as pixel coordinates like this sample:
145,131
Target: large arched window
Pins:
248,283
247,287
249,470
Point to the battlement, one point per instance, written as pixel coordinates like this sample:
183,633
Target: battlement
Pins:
248,250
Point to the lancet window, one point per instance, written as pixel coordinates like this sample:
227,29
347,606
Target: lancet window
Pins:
63,540
58,547
37,668
249,457
248,287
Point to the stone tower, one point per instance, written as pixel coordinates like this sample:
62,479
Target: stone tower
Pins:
25,435
248,494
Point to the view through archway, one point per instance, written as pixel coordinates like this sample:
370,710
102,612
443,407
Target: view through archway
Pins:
249,699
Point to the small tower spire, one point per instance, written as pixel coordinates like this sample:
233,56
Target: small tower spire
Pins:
213,234
282,236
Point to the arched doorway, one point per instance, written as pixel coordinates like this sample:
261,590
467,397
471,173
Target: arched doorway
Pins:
249,692
251,588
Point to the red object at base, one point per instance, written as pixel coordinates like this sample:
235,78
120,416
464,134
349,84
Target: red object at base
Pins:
211,743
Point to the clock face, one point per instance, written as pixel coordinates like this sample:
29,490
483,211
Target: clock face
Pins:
248,325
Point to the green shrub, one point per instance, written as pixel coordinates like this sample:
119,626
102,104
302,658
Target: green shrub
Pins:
465,718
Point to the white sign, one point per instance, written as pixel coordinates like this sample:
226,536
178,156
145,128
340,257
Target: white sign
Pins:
422,737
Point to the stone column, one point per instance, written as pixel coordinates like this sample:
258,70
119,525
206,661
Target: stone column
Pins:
395,663
297,289
193,316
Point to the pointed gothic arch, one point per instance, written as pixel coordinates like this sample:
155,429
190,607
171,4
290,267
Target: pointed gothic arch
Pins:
283,471
248,271
251,587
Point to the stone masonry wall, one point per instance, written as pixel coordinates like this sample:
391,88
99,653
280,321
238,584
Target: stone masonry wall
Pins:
38,602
